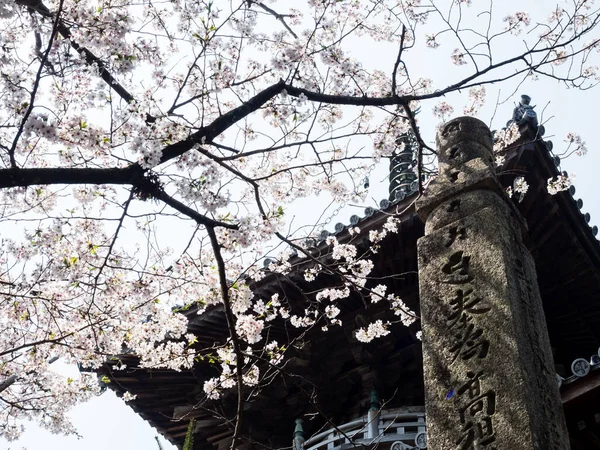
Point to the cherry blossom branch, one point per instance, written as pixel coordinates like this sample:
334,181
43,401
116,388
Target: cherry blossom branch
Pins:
109,252
90,58
398,60
17,177
232,332
222,123
280,17
36,84
8,382
132,175
54,341
195,215
463,84
93,61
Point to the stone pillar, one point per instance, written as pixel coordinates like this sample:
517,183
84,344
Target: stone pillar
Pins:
490,382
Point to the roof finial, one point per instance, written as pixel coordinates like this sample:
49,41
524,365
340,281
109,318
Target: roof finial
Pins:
402,163
524,113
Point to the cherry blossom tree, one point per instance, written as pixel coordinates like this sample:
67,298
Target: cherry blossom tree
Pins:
125,123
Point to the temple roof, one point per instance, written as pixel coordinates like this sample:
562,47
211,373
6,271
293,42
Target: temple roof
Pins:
332,373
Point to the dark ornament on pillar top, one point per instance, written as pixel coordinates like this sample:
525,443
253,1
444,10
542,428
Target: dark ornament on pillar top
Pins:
524,113
402,165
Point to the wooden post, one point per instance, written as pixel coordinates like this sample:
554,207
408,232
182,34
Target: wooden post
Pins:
490,382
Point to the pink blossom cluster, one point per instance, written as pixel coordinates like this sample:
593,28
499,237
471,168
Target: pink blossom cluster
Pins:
561,183
443,110
375,330
516,21
476,101
458,57
175,98
506,136
574,140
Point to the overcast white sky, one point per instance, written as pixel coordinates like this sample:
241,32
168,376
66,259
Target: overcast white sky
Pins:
107,422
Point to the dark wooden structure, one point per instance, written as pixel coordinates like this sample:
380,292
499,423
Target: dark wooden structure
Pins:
329,376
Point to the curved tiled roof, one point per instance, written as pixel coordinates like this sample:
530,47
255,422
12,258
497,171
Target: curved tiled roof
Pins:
561,239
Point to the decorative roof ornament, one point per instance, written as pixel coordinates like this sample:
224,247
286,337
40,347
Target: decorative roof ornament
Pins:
580,367
366,183
402,165
267,262
400,195
399,445
421,440
524,114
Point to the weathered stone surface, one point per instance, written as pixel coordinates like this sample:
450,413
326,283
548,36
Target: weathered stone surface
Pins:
489,378
468,203
461,152
466,162
464,129
473,175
